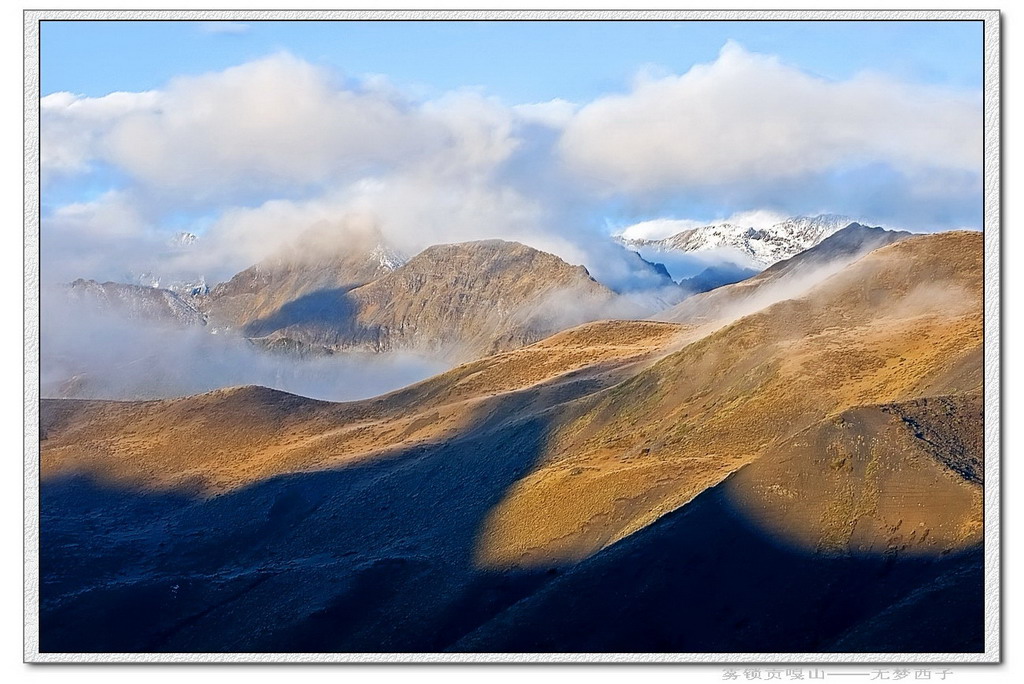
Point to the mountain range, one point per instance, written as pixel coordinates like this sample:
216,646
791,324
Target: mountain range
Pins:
463,301
760,247
331,291
136,302
468,299
792,463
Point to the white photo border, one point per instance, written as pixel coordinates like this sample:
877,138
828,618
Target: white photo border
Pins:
992,336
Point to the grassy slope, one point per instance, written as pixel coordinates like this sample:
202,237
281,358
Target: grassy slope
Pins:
480,507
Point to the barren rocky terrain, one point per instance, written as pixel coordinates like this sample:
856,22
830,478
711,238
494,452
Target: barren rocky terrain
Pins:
800,475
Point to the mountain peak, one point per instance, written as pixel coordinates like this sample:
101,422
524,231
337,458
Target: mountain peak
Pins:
496,257
758,247
486,295
460,299
326,257
183,239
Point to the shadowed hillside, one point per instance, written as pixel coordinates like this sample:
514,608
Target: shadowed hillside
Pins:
804,478
705,578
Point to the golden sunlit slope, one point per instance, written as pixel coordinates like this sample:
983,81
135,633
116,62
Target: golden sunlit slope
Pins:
228,438
874,479
901,323
640,418
783,280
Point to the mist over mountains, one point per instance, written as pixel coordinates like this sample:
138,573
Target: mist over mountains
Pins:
341,290
795,466
90,353
786,279
397,337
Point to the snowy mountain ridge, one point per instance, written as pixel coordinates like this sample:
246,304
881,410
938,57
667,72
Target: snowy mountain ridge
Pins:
387,258
761,246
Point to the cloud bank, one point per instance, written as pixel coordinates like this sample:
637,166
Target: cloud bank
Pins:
750,119
251,156
657,229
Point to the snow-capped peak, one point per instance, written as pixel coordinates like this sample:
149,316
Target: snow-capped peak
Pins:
810,230
387,258
762,246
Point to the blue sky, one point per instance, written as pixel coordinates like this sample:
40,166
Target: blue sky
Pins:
551,133
519,62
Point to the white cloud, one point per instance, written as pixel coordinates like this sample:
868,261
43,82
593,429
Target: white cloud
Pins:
749,119
411,211
102,238
657,229
264,150
757,218
72,126
553,113
111,215
275,125
478,133
277,121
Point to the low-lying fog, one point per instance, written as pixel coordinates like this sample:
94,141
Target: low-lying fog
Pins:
85,354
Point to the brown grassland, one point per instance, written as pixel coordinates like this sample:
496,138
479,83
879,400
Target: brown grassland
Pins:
844,419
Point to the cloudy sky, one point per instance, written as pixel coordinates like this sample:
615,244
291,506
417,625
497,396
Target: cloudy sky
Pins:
557,134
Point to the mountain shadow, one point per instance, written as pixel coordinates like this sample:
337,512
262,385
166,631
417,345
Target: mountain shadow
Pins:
326,314
371,557
788,482
706,579
380,557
